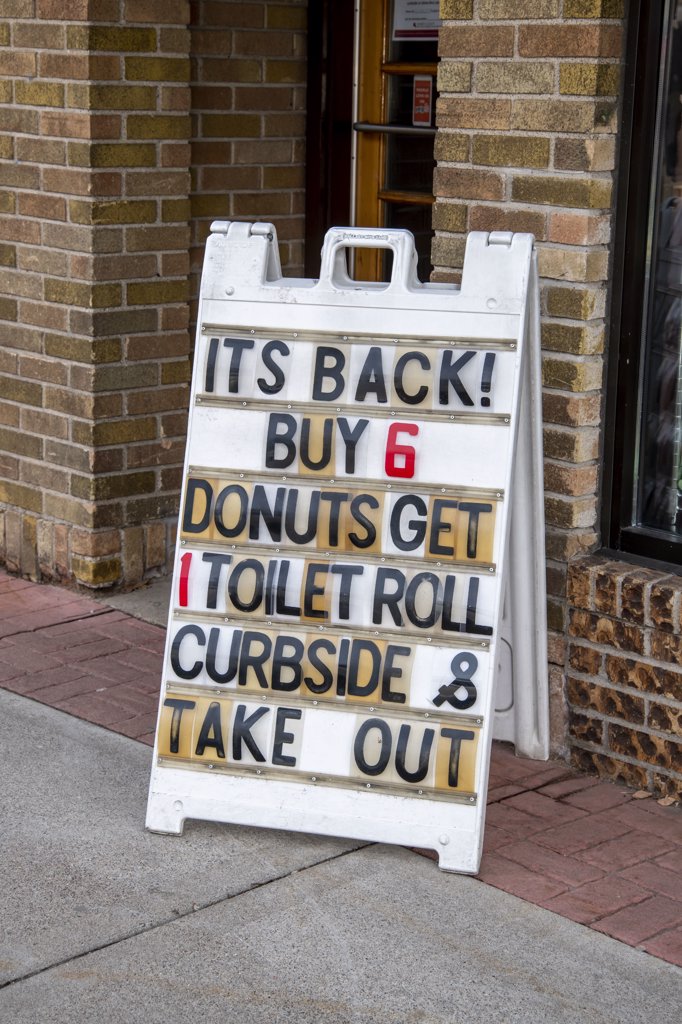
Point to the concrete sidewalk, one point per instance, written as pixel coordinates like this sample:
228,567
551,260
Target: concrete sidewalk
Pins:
584,849
103,921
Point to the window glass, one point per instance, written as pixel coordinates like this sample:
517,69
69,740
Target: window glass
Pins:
657,499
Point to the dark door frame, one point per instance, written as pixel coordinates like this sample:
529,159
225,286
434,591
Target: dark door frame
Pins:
329,125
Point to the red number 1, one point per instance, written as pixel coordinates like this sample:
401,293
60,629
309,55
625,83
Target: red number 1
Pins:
400,457
183,585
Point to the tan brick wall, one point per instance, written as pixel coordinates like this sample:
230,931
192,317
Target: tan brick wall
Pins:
94,141
624,681
528,121
248,107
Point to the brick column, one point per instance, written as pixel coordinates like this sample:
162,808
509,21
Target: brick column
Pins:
94,133
527,119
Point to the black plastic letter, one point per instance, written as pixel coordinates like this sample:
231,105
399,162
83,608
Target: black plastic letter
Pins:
372,377
178,707
424,754
421,392
277,371
186,673
384,753
241,733
328,371
455,736
218,563
238,345
284,436
282,737
449,374
193,485
211,734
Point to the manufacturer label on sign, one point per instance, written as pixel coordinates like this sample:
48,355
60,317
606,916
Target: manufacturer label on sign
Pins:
331,652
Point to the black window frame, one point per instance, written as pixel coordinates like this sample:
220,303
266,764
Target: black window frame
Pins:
646,24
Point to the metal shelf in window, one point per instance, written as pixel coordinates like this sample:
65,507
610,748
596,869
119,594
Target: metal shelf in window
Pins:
401,196
392,129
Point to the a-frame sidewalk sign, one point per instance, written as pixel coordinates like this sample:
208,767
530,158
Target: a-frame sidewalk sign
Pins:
358,598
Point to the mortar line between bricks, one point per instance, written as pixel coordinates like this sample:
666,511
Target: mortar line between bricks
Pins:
73,618
534,788
175,918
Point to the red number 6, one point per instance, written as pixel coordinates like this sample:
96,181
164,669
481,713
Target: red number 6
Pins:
400,457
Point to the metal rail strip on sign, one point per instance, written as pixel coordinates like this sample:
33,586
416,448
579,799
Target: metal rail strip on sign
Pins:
358,597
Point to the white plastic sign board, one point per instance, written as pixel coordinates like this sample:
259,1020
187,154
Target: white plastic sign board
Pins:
358,457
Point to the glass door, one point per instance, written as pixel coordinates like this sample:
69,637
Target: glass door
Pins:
394,126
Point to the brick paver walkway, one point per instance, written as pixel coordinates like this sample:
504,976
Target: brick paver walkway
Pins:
585,849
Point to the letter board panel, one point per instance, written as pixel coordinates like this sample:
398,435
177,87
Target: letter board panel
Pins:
342,552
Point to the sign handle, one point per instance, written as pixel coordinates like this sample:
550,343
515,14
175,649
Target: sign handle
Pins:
334,269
